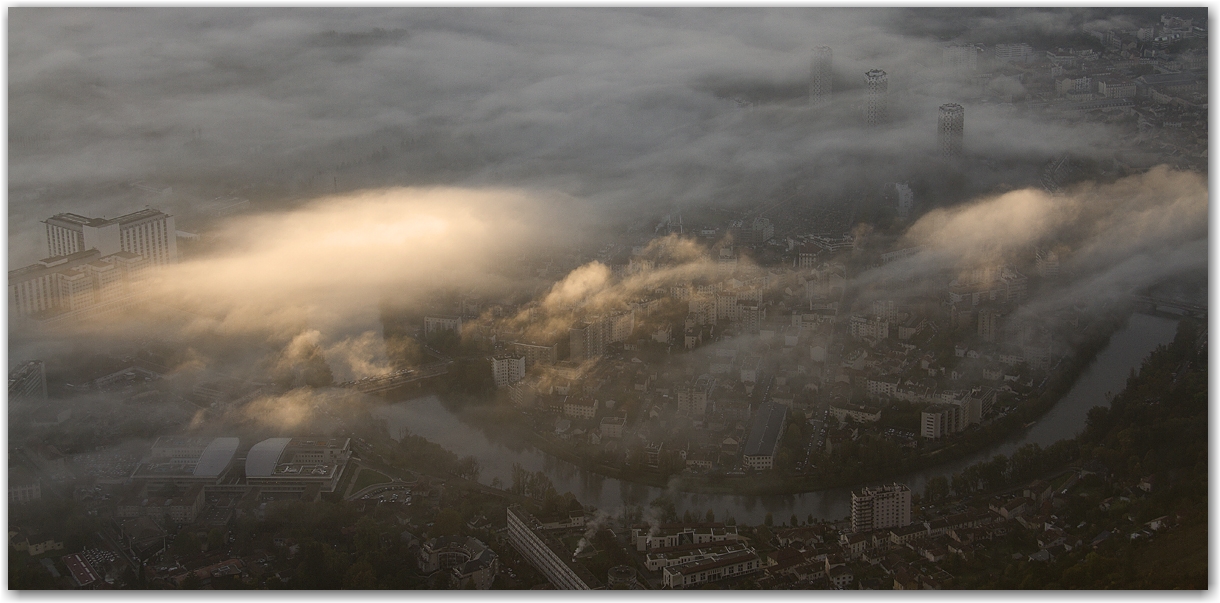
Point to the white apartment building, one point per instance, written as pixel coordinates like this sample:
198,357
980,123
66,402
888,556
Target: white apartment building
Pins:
703,571
546,554
75,285
436,324
507,370
880,508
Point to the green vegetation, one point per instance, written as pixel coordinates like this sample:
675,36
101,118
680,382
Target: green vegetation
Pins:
1156,429
367,478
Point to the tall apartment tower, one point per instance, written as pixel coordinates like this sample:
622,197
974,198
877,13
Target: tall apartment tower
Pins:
950,129
820,75
876,107
149,233
878,508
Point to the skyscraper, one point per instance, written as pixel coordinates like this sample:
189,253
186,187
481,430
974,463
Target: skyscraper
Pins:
952,125
876,108
820,75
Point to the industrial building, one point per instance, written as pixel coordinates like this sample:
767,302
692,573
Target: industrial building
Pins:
186,461
27,381
298,462
765,433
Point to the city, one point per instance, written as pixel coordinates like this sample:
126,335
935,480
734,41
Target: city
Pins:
838,299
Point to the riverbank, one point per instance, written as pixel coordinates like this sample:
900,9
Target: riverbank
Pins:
1093,340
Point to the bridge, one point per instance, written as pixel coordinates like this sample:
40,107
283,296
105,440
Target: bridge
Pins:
399,378
1158,303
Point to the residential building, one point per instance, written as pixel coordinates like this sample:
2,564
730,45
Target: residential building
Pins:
821,76
940,420
857,413
950,130
703,571
436,324
580,407
876,103
960,58
546,554
535,354
470,561
1014,53
23,486
612,427
879,508
507,370
668,535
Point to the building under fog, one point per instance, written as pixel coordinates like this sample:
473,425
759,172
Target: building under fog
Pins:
149,233
876,103
821,74
950,130
186,460
298,462
94,268
27,381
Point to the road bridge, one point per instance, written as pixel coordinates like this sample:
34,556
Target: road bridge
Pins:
399,378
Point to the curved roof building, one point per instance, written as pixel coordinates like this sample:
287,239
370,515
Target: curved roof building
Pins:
264,456
216,457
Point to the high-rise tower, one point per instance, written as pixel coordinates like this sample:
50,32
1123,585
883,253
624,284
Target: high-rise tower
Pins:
876,109
951,126
820,75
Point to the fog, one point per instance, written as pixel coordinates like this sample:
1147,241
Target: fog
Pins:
625,110
396,153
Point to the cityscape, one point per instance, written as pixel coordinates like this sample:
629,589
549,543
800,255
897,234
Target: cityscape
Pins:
608,299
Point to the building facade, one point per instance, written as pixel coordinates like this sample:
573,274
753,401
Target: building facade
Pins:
507,370
876,102
821,76
950,130
149,233
880,508
547,555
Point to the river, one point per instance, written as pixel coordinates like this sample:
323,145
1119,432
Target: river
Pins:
426,416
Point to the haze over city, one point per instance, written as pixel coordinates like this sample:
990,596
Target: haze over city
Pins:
607,298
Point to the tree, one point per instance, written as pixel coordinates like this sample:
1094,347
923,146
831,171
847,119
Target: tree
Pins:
768,520
216,539
447,523
360,576
468,467
710,517
936,489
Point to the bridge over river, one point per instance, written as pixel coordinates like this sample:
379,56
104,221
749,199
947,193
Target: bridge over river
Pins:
399,378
